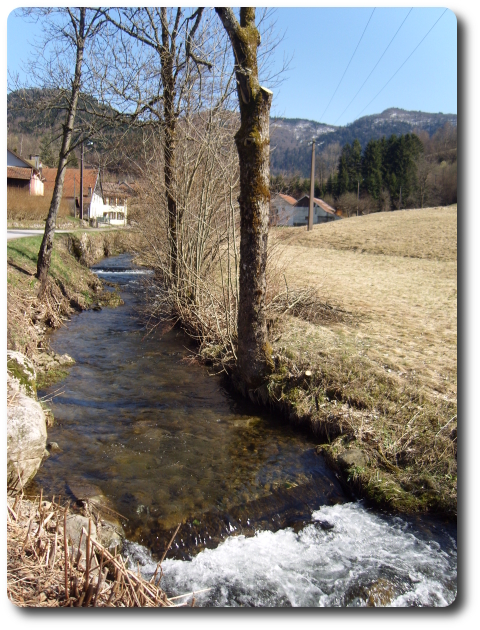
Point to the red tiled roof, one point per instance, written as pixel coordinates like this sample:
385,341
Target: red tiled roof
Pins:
288,199
324,205
18,172
303,203
72,180
116,190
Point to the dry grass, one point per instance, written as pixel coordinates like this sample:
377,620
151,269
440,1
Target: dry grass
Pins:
429,233
385,377
407,306
45,570
21,206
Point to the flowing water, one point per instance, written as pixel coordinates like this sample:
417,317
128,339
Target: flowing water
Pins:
265,522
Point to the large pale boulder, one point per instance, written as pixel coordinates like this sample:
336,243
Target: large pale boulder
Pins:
26,423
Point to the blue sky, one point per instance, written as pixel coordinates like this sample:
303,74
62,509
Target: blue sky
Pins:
323,40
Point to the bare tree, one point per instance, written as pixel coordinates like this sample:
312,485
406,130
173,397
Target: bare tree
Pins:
59,68
253,142
161,83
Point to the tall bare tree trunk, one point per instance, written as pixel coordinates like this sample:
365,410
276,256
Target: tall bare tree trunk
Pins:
253,146
45,253
170,120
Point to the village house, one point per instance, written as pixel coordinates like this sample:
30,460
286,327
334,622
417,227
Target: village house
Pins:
115,200
25,174
92,199
287,211
281,209
103,203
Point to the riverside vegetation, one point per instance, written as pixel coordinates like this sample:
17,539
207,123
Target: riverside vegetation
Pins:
362,325
363,335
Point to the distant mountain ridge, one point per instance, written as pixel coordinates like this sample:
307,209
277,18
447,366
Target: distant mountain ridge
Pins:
289,137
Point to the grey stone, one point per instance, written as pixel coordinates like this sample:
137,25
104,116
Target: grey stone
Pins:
109,529
21,369
66,359
75,525
352,457
52,447
26,434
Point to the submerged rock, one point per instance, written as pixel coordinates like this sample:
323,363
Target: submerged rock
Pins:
52,447
90,497
77,541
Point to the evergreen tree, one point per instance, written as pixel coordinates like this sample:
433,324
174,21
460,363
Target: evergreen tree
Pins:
48,153
354,165
372,168
343,179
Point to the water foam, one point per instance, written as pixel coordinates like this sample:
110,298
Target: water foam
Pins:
123,272
364,557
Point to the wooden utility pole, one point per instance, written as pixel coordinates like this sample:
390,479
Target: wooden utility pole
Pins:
358,194
74,199
400,202
81,184
312,189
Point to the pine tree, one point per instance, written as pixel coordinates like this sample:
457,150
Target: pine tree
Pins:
372,169
48,154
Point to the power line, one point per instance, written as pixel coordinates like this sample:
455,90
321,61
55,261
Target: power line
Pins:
321,117
402,64
381,57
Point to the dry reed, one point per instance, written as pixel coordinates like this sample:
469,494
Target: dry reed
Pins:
42,572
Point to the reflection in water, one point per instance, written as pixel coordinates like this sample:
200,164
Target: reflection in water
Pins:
162,439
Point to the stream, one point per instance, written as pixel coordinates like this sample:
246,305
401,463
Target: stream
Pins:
264,521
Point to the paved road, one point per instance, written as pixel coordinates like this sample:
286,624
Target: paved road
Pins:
11,234
21,233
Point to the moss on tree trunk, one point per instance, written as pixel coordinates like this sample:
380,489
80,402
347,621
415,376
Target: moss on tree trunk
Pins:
253,145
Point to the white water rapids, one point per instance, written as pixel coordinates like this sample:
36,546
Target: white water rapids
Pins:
364,558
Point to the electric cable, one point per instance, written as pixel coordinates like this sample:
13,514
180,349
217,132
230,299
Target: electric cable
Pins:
321,117
380,59
431,28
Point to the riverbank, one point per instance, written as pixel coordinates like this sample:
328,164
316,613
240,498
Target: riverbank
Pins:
54,559
72,287
377,382
364,345
364,342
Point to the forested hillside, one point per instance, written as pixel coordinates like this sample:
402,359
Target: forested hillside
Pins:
407,171
32,132
289,137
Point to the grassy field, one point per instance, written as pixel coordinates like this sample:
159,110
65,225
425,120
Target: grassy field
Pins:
384,374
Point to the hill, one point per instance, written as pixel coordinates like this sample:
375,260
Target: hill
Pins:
33,130
289,136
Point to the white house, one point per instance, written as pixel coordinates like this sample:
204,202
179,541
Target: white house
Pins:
281,209
114,202
287,211
322,212
103,203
